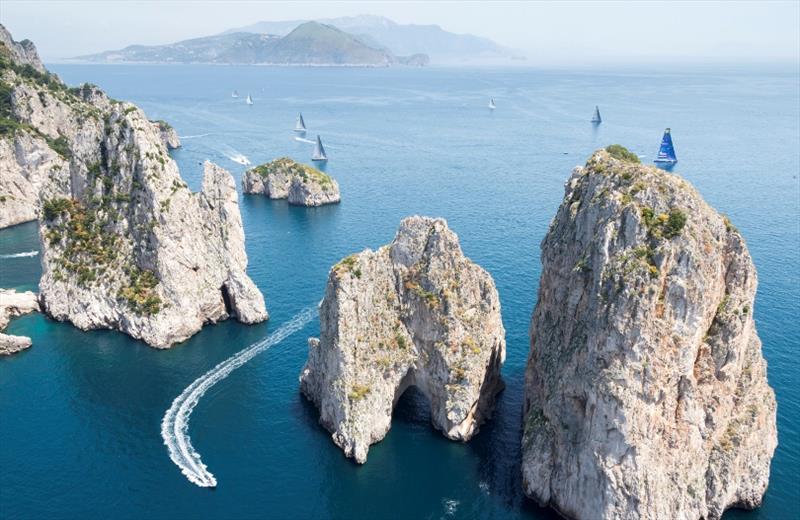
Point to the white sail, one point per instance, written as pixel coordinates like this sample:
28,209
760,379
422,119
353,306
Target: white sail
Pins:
234,94
249,100
300,125
492,106
319,151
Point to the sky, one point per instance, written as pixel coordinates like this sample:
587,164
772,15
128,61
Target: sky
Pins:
547,32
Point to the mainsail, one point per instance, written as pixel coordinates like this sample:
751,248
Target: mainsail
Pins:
319,152
492,106
300,125
666,154
234,94
249,100
596,117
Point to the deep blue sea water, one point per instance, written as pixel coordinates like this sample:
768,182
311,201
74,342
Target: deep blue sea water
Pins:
80,412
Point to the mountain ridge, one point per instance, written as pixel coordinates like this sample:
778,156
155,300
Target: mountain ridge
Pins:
310,43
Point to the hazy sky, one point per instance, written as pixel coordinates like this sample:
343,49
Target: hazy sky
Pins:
547,32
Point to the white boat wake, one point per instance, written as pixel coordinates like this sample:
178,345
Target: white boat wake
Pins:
20,255
304,140
194,136
175,424
235,156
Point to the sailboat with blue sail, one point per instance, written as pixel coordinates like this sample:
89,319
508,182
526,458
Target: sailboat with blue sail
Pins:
319,152
596,119
666,154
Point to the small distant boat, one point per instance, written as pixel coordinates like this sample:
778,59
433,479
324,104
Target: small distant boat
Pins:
249,100
300,125
596,119
234,94
319,152
492,106
666,154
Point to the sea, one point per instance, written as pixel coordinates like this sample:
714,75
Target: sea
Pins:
81,412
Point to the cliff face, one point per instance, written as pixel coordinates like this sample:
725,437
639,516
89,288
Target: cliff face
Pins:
284,178
13,304
125,244
646,390
168,134
415,312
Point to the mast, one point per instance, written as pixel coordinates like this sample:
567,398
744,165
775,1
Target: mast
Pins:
666,153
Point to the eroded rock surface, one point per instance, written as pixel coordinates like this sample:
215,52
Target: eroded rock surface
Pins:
13,304
284,178
646,390
125,244
414,312
168,134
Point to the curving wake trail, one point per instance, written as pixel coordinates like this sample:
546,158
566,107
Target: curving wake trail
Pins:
175,424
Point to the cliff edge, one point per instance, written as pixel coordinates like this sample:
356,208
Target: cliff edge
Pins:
646,391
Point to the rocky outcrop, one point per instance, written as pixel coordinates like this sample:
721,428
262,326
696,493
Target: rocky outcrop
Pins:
416,312
22,52
168,134
284,178
646,391
126,245
13,304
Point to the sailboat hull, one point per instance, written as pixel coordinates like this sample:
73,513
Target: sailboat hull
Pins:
666,161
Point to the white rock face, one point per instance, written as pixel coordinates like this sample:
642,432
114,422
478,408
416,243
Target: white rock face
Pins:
415,312
284,178
22,52
27,165
646,390
13,304
168,135
125,244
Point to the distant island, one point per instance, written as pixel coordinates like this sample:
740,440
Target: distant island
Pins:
308,44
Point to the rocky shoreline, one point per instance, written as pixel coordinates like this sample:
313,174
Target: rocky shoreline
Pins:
13,304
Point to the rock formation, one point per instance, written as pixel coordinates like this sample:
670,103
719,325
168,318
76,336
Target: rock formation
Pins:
168,134
415,312
646,391
126,245
13,304
284,178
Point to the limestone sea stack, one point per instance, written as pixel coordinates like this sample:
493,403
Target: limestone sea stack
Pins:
646,390
284,178
415,312
125,244
13,304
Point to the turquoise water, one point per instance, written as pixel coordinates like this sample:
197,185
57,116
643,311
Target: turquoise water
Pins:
80,412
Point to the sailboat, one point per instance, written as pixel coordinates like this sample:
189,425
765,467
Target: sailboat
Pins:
492,106
666,154
234,94
596,119
249,100
319,152
300,125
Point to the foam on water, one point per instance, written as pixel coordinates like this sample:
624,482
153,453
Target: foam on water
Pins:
175,424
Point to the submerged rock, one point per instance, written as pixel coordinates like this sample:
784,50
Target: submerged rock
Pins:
284,178
13,304
646,391
125,244
416,312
